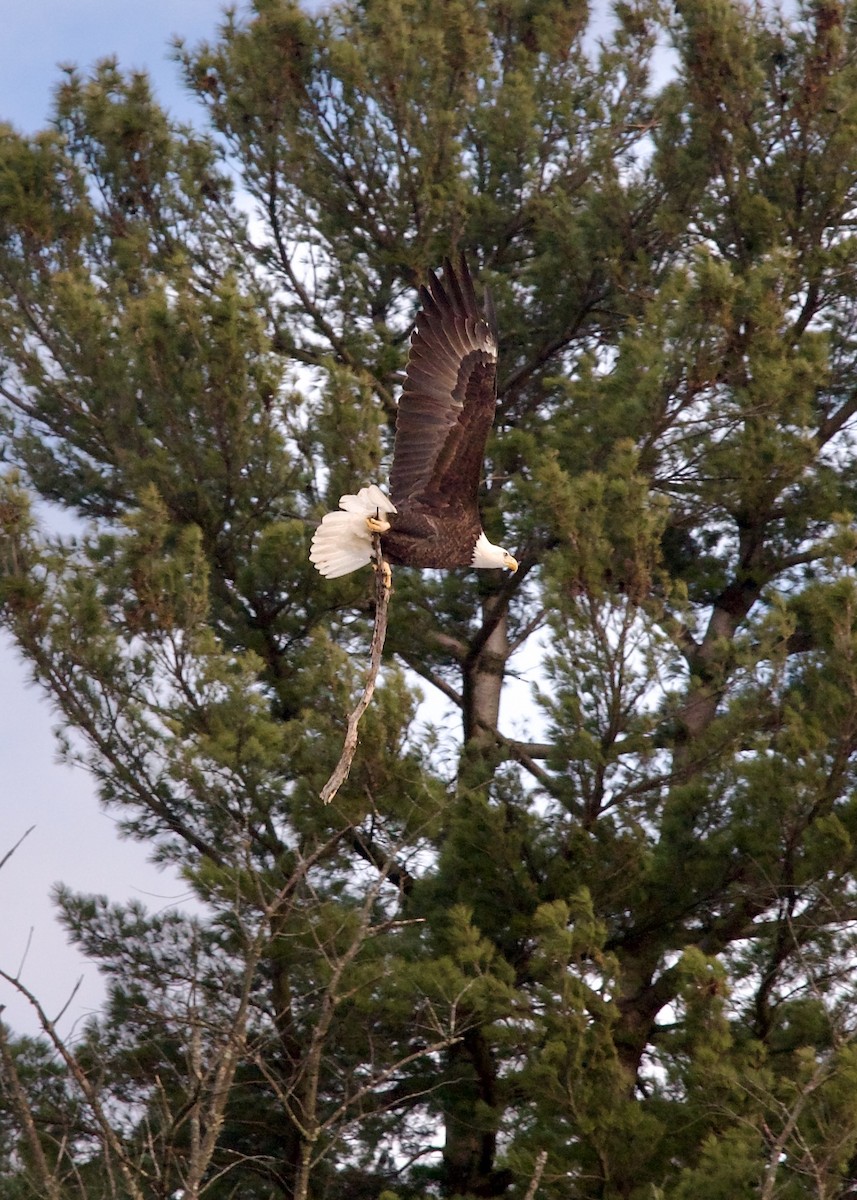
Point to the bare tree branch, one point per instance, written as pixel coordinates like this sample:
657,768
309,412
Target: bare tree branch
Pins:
379,634
9,853
425,672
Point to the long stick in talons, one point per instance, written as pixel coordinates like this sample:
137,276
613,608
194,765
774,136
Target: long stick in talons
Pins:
383,587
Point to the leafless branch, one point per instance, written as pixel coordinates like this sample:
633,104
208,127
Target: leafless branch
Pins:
9,853
379,634
425,672
455,647
527,630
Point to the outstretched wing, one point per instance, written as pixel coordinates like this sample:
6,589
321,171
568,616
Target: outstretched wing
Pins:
448,399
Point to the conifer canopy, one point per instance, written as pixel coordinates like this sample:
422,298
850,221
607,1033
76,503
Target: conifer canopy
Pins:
580,925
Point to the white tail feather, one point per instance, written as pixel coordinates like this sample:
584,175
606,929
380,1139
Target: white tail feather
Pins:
343,543
367,501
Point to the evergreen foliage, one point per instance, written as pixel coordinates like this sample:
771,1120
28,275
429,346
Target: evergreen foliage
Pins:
620,932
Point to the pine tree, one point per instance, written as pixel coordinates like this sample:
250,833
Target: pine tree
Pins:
601,947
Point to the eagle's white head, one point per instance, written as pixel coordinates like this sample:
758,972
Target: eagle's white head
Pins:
486,554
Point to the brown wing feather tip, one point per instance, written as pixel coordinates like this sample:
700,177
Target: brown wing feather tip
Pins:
428,303
451,280
461,296
466,281
441,305
448,398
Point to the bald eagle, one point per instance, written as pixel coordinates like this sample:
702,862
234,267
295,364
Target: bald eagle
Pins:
446,410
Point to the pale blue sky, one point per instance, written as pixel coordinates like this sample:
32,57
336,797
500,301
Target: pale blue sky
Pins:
40,34
72,840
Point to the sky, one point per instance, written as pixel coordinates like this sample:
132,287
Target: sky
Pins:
39,35
72,840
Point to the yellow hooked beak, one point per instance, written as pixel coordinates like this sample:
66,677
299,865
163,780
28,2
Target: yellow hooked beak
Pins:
510,563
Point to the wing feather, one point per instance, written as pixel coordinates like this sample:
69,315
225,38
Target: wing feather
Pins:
449,395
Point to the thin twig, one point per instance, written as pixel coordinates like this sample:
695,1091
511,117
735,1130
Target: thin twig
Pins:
9,853
379,634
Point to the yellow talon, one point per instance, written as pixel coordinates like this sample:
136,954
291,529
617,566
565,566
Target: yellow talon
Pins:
377,524
385,570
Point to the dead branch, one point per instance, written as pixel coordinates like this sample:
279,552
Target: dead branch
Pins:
379,634
9,853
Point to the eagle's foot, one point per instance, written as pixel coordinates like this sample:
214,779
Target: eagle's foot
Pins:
377,524
384,567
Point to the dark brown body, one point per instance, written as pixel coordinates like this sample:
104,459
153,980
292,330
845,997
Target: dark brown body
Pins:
420,539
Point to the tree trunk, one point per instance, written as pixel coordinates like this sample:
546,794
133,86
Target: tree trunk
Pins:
471,1138
483,670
